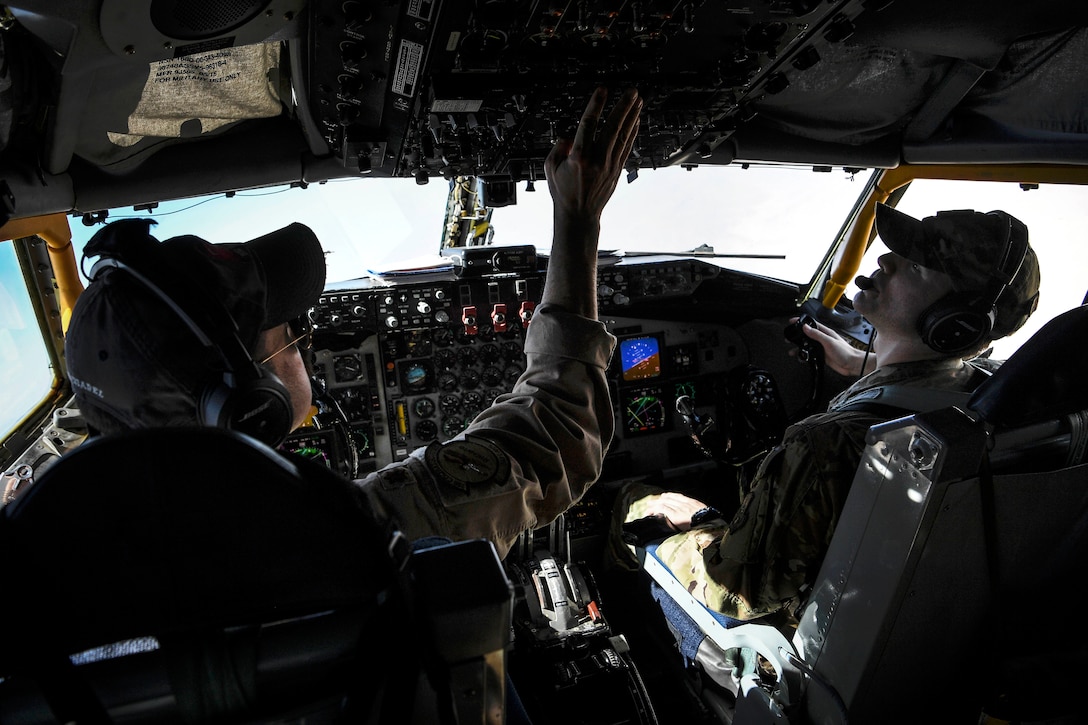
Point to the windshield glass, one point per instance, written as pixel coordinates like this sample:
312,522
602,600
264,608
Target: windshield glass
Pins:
26,374
773,221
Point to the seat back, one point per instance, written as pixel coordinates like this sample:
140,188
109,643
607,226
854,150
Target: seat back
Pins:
963,541
197,575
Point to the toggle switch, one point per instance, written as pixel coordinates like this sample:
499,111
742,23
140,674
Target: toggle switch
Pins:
526,312
498,317
468,319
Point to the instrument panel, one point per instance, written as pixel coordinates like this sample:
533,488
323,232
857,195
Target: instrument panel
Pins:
403,362
413,362
430,89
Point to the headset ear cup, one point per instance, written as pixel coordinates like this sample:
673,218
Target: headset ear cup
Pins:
953,324
259,408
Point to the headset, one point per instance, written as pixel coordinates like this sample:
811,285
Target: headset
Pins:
248,398
961,321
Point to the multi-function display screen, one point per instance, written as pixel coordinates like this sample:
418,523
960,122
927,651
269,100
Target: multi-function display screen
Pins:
640,358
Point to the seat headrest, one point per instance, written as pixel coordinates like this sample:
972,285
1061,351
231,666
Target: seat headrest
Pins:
163,531
1042,380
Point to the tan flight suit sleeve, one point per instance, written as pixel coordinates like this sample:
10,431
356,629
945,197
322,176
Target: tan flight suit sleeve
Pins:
523,461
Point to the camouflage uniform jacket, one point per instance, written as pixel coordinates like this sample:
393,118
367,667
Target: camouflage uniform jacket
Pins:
524,460
770,553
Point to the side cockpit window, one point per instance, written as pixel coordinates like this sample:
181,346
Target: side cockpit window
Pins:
27,375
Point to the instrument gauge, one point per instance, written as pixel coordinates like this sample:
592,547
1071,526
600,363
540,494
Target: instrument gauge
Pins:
426,430
644,411
424,407
449,404
347,367
445,359
452,425
470,378
443,337
415,376
472,402
491,376
512,373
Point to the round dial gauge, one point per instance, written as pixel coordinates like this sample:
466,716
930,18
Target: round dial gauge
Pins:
426,430
452,425
424,407
445,359
491,376
347,367
449,403
442,337
512,373
472,402
470,378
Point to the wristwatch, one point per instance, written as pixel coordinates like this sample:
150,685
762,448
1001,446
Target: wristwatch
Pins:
705,515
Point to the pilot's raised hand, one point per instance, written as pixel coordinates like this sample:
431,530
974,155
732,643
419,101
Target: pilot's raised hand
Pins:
582,174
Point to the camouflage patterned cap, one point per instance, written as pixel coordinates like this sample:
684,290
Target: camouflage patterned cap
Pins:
980,251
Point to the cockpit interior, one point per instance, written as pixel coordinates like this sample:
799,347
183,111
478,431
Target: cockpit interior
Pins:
190,111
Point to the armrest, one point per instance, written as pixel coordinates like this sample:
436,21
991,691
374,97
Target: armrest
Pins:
765,639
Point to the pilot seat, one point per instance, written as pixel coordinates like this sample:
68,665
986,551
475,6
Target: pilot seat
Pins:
197,575
952,587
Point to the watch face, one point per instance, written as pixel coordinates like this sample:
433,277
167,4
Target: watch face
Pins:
465,463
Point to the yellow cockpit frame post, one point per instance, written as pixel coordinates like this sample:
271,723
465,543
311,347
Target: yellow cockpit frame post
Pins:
56,232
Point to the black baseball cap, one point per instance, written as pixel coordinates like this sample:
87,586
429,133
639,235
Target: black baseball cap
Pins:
980,251
133,355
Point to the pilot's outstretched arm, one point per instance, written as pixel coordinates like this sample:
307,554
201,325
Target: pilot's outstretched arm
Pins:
523,461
